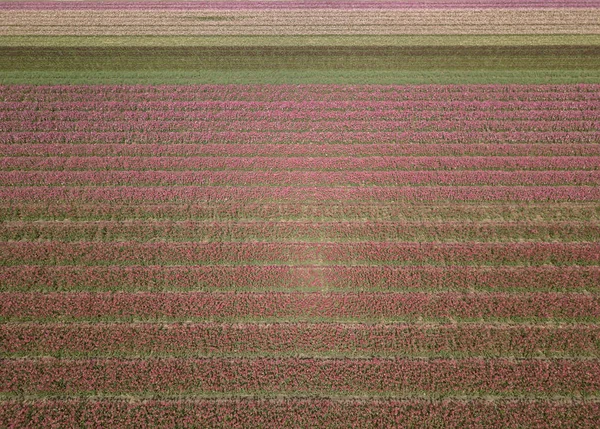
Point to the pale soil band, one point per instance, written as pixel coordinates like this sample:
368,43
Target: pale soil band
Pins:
281,23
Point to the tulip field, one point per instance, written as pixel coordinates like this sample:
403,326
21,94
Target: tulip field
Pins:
300,214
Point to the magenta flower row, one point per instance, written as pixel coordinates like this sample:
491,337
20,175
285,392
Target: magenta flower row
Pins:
299,413
298,149
373,163
245,194
462,129
577,378
180,112
236,137
198,339
282,306
186,253
310,278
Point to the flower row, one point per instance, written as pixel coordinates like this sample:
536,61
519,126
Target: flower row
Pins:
286,150
54,113
299,178
107,104
293,339
236,137
250,278
322,163
299,413
463,126
246,194
227,253
399,377
298,306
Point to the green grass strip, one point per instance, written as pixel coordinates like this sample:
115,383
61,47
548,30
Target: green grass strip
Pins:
302,58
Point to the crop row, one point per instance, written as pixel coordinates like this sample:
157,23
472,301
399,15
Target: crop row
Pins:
173,231
297,306
323,163
299,413
463,126
227,253
82,27
156,278
294,339
307,16
298,94
286,150
187,27
236,137
36,115
299,179
291,5
233,88
245,194
436,377
419,109
329,211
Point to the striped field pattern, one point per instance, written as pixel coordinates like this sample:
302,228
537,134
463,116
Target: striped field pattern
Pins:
300,213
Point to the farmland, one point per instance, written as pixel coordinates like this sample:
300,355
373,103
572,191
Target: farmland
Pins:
300,214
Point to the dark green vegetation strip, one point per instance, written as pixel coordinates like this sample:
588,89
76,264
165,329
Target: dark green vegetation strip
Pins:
300,64
409,58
